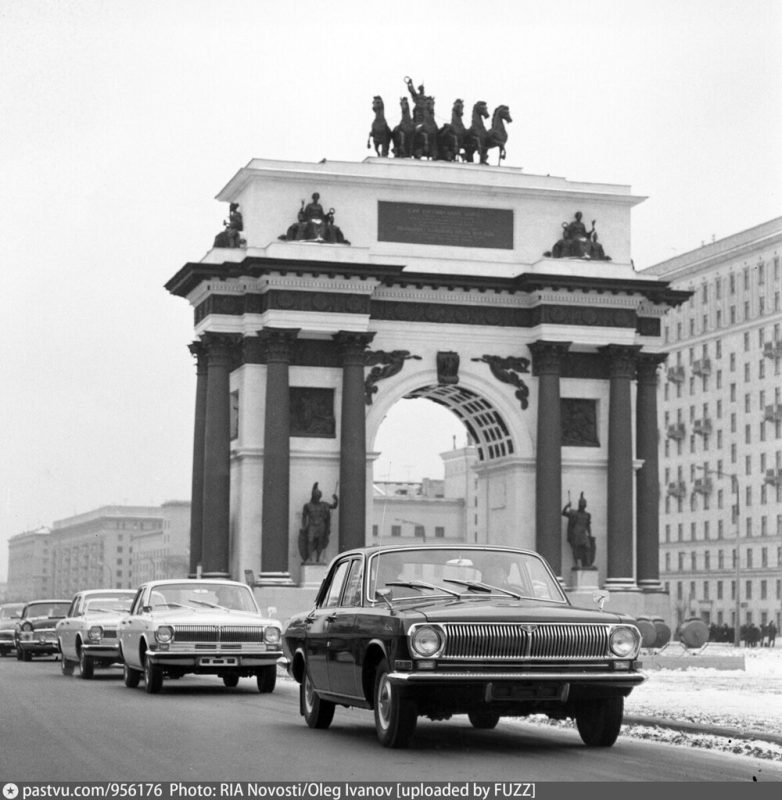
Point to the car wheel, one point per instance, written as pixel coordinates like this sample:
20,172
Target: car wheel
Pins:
266,679
130,676
230,679
18,653
483,720
86,665
153,677
4,652
599,721
395,715
317,713
27,655
66,667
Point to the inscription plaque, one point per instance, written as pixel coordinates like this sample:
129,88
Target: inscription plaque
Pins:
460,226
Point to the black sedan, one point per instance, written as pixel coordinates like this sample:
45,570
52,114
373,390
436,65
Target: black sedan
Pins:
440,630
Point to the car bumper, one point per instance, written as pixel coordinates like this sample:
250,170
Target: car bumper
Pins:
39,646
452,678
214,661
101,650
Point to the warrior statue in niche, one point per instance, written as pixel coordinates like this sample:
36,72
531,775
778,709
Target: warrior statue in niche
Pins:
579,533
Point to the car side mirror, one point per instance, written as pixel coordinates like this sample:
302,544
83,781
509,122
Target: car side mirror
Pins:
601,597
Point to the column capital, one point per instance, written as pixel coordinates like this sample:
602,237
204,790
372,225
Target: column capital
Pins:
198,351
278,343
621,359
547,356
352,346
219,348
647,365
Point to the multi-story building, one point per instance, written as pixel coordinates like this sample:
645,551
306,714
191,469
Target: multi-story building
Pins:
721,437
111,546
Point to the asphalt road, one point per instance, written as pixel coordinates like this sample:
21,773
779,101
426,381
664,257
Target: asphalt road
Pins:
57,728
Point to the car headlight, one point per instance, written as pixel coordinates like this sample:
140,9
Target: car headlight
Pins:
95,633
426,641
272,635
164,634
624,641
27,626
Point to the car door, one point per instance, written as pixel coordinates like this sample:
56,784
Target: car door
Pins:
318,623
130,630
66,629
344,643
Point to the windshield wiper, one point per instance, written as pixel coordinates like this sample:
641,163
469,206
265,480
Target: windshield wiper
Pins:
204,603
423,585
484,587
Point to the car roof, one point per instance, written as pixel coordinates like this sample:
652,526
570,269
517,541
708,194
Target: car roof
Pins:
392,548
49,600
91,592
194,581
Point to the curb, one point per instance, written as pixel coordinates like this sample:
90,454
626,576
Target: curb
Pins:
712,730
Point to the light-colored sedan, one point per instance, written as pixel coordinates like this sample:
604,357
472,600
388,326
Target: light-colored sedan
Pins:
88,633
211,627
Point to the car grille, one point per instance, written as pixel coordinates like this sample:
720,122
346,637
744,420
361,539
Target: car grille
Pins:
514,641
222,634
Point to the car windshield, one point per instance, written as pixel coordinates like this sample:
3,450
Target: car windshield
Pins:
109,603
478,573
47,610
203,596
10,612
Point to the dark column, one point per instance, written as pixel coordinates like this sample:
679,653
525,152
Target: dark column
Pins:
619,505
217,456
647,481
546,365
197,486
353,441
275,522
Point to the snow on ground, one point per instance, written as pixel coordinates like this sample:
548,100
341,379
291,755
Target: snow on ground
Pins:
733,710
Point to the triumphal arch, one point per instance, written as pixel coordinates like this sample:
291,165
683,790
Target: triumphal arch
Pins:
337,288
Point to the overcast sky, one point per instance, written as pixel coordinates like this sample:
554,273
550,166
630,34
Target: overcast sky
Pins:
120,122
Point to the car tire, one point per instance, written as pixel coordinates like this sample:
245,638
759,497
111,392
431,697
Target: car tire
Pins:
66,666
266,678
27,655
153,677
483,720
317,713
395,715
18,653
230,680
130,676
599,721
86,665
4,651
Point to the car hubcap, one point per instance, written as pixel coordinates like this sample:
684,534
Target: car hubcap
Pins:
309,695
384,701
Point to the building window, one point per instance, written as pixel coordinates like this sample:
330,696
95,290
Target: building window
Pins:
375,531
439,532
396,530
420,532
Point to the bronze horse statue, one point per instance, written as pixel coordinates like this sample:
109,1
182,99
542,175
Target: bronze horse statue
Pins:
380,133
475,137
497,135
425,138
403,133
451,135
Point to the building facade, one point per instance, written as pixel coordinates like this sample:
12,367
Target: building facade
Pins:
111,546
721,438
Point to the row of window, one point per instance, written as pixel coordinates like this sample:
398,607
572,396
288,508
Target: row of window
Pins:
419,531
701,531
747,552
716,590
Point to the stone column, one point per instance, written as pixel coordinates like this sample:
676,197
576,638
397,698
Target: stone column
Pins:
619,506
353,441
647,481
197,486
547,366
275,522
217,457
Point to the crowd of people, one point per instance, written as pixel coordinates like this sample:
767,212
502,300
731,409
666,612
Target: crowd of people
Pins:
750,635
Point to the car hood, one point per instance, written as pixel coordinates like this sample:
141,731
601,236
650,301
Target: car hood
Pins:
41,622
8,624
208,616
501,610
107,619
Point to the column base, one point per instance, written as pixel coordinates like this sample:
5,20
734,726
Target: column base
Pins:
651,585
274,579
220,574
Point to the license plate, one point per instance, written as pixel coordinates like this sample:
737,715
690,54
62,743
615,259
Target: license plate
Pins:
217,661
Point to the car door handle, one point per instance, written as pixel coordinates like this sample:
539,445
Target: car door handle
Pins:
331,617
